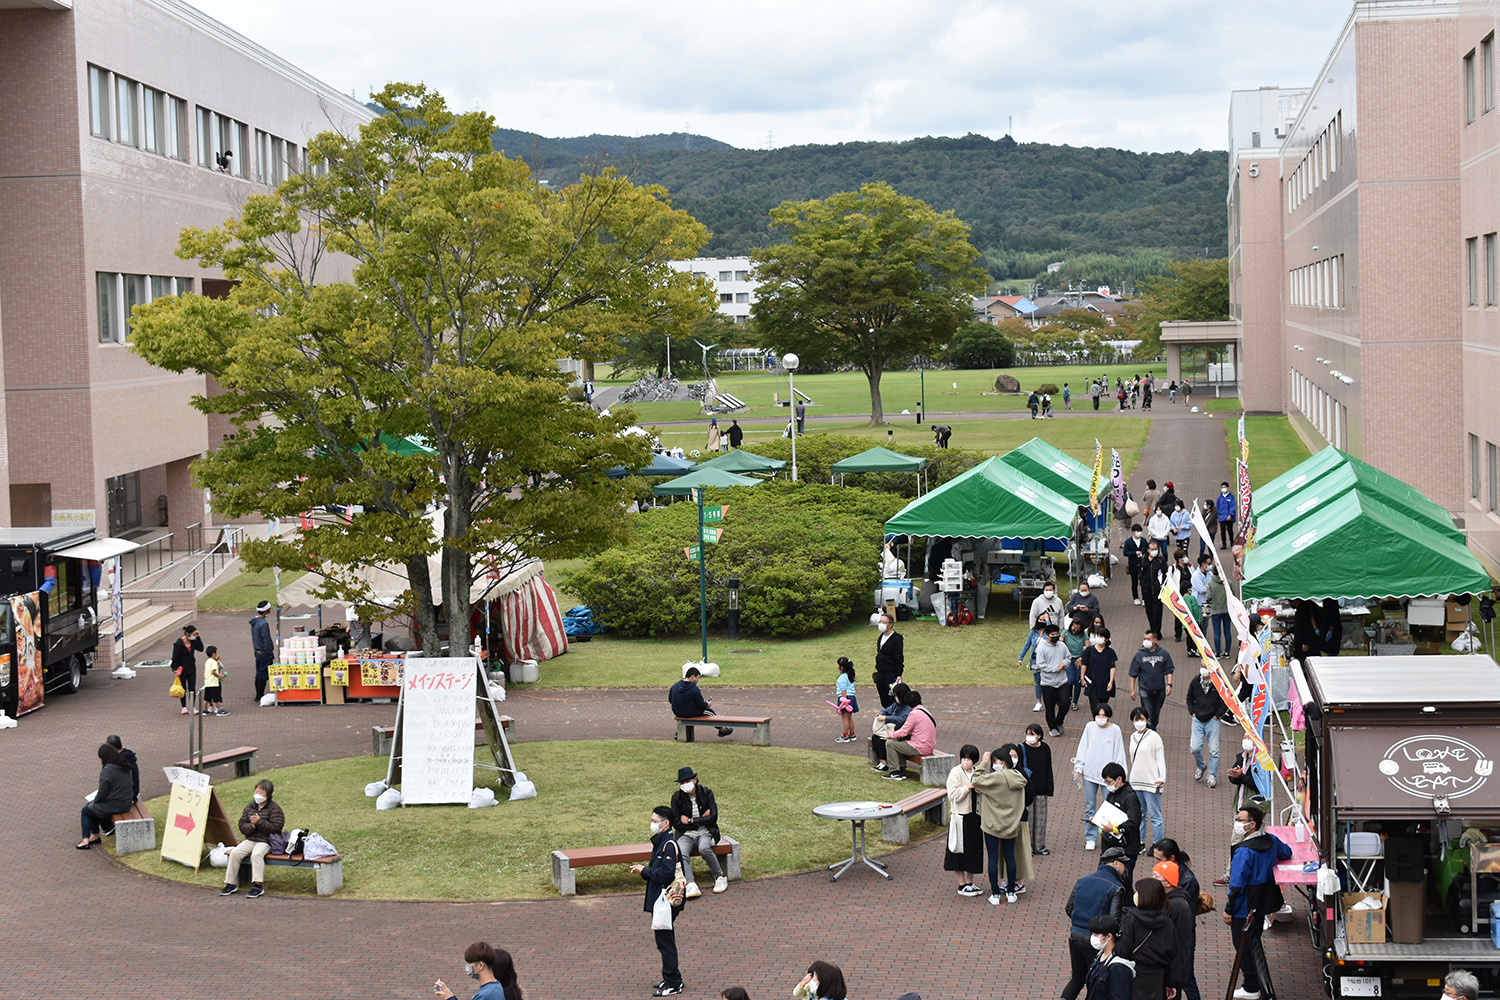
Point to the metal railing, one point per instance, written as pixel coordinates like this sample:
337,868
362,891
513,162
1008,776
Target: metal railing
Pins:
147,559
194,535
218,557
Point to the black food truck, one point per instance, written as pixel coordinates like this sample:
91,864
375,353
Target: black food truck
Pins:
1401,790
49,620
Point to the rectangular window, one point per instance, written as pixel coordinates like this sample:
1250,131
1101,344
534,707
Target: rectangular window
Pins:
1473,467
174,129
99,110
1469,87
742,276
1473,248
160,287
262,157
151,120
135,295
1489,450
205,138
1491,274
726,275
109,312
726,297
742,296
184,286
1487,70
125,99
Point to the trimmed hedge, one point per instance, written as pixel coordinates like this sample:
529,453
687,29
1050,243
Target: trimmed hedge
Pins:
817,453
806,556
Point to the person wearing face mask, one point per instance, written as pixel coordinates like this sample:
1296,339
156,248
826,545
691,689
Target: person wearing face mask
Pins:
695,820
1153,574
1052,662
1035,638
1110,976
890,659
1253,893
1460,984
1047,603
1099,662
1036,761
261,818
1217,610
659,874
1134,550
1205,705
1182,910
1151,676
1076,638
1085,599
1100,745
823,981
1001,785
492,968
965,853
1148,770
1224,510
892,718
1148,938
1239,773
1126,835
1100,893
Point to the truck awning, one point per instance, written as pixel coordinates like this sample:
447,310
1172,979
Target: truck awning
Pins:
99,549
1392,772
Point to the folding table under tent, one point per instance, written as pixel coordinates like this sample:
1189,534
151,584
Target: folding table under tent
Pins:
1358,547
880,459
661,464
743,462
1299,494
700,478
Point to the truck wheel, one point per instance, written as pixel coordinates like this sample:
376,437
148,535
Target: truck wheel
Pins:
75,675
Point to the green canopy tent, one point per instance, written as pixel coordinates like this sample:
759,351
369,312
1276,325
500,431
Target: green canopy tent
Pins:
1357,547
991,500
1294,507
743,462
1057,470
699,478
879,459
1297,476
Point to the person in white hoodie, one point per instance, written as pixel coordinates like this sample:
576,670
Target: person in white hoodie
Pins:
1100,744
1148,772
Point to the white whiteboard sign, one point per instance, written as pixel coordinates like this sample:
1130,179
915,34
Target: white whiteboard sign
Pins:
437,729
194,781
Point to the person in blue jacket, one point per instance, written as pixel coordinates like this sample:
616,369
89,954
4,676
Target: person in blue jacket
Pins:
1224,509
265,651
659,874
1100,893
1110,977
1253,892
688,702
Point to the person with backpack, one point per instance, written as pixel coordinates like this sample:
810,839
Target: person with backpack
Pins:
1110,976
1253,892
659,874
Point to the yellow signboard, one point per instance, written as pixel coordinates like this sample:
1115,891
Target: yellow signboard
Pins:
187,818
296,676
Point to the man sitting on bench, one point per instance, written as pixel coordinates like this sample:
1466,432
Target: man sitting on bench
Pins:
688,702
695,817
261,818
127,757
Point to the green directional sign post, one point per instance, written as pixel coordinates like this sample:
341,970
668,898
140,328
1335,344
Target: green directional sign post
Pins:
713,515
711,535
693,552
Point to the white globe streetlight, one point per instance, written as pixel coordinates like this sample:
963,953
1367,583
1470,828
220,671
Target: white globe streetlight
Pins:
790,363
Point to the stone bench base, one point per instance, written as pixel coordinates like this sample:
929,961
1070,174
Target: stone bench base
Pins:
132,836
934,767
897,829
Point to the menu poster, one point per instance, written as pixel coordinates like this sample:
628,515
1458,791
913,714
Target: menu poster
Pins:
437,723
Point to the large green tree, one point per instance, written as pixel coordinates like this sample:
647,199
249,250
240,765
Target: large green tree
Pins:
1193,290
469,281
868,278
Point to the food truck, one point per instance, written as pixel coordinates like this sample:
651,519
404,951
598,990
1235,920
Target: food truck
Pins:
1404,806
49,621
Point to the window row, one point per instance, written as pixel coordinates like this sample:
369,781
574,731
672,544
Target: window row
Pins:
1479,82
1491,467
1320,163
1319,285
275,158
119,293
734,275
1326,414
730,298
1491,283
133,114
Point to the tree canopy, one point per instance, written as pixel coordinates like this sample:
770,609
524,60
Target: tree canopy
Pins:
468,281
868,278
1192,290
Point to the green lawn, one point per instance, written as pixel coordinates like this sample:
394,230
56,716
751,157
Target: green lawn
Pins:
1224,403
590,793
245,590
1274,446
849,392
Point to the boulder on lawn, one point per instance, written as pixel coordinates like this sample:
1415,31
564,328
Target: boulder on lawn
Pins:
1007,383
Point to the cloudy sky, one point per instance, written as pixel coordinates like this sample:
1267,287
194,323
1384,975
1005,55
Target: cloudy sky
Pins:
1139,74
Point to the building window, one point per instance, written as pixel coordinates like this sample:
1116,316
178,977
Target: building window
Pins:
222,143
726,297
99,110
164,123
119,293
1491,275
1487,70
726,275
742,296
125,102
1474,466
742,276
1473,248
1489,454
1469,87
110,330
205,138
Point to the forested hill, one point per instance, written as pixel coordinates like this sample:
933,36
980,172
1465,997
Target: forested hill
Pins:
1027,204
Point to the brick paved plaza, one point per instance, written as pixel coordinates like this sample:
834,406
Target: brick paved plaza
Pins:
78,924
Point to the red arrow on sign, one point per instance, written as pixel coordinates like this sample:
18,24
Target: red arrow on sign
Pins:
184,822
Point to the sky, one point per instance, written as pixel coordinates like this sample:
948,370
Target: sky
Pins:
1147,75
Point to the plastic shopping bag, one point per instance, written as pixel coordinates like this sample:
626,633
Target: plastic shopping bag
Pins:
661,913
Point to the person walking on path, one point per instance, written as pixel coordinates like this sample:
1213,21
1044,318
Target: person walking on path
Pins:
1153,573
1205,706
1110,976
184,664
1036,762
735,434
1149,939
1033,403
492,968
1099,662
1151,676
1047,602
1182,526
1134,549
1100,745
714,437
1002,789
890,658
1148,771
965,851
1035,638
1182,910
1253,893
659,873
695,820
1126,835
1100,893
265,650
1067,397
1052,661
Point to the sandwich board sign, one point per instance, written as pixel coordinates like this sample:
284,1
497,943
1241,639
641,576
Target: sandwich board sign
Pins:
432,750
193,812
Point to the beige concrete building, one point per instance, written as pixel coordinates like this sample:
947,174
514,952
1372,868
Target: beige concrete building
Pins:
125,121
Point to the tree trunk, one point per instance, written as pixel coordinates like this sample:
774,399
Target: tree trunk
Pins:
420,581
877,411
457,567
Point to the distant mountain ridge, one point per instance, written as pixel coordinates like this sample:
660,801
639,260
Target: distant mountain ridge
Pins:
529,145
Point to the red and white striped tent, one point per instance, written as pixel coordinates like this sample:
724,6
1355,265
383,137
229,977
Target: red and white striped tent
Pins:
531,625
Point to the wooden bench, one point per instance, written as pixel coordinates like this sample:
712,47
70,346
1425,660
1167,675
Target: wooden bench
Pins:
762,726
381,736
931,802
243,759
564,862
135,830
328,871
933,768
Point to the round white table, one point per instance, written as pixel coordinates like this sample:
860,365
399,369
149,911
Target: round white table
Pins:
856,813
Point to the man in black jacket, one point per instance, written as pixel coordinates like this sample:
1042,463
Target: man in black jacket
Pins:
890,659
688,702
736,434
127,757
1205,705
695,820
658,875
1097,894
1128,834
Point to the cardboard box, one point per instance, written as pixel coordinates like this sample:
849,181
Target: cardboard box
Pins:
1364,926
332,695
1404,911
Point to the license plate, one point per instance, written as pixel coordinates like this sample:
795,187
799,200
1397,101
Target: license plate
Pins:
1359,986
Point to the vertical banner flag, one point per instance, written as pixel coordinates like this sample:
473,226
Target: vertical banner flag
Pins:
1246,533
1244,442
1117,479
117,597
1098,475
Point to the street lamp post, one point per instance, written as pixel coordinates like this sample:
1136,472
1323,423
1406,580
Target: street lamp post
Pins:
790,363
